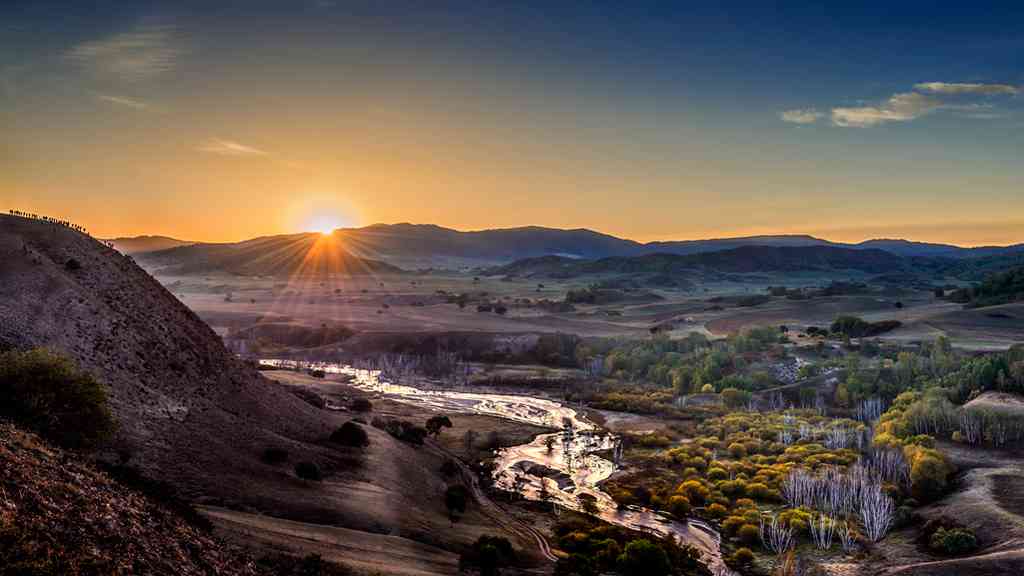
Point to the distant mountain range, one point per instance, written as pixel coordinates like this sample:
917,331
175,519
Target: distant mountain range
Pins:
382,246
288,255
742,260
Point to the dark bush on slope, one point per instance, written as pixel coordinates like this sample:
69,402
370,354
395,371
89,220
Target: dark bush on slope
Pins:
48,394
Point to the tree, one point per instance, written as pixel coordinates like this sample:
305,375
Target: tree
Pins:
679,506
734,398
48,394
449,468
588,504
644,558
436,423
351,434
455,498
361,405
308,471
928,473
489,554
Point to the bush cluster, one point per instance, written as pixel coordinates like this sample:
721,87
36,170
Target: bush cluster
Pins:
48,394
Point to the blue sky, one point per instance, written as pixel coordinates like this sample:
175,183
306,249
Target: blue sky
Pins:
648,120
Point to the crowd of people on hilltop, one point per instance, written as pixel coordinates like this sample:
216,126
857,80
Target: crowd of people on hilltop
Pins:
59,222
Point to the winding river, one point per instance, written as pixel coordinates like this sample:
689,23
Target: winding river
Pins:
567,464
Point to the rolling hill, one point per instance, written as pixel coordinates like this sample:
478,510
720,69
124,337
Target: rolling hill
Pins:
287,255
190,414
183,404
138,244
385,248
394,242
746,259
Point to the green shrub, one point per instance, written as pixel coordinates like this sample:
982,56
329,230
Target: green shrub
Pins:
489,554
48,394
644,558
361,405
308,471
749,534
743,556
351,434
953,542
679,506
716,511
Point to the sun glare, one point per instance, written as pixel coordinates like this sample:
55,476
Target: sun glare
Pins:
323,224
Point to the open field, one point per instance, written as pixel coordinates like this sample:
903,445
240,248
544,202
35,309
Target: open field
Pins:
420,303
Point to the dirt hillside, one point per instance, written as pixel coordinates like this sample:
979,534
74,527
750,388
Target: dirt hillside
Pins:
184,406
192,415
60,516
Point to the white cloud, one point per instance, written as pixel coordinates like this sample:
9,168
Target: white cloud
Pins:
800,116
142,53
229,148
966,88
123,101
898,108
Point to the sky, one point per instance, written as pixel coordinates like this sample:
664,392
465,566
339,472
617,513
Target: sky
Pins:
219,121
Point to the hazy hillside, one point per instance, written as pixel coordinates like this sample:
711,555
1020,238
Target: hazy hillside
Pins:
718,244
747,259
286,255
404,241
137,244
424,241
910,248
383,248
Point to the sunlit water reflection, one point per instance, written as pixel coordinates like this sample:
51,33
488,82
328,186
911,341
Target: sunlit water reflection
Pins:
569,468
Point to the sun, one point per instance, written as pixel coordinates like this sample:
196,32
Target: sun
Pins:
323,224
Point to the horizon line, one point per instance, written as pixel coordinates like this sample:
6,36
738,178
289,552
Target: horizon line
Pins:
808,235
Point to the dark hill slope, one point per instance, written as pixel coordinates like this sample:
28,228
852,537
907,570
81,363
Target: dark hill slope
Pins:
185,407
60,516
746,259
287,255
192,415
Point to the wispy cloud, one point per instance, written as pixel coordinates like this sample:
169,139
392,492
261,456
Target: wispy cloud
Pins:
123,101
967,88
927,97
898,108
229,148
800,116
142,53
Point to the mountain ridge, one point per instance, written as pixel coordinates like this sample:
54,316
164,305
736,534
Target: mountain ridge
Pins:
425,245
